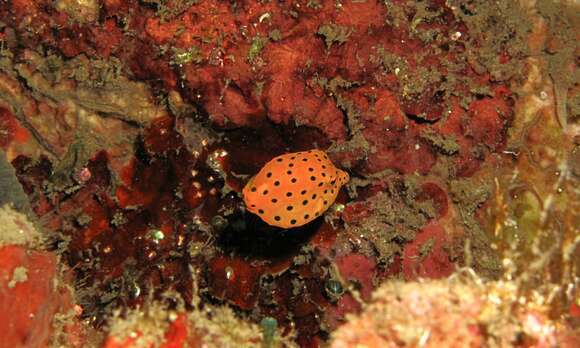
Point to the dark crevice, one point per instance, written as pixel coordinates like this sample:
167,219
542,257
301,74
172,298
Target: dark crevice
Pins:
419,120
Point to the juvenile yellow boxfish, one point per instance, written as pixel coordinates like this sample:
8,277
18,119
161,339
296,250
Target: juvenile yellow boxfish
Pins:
293,189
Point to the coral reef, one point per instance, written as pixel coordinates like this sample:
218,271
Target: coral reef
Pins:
35,302
212,327
461,312
132,127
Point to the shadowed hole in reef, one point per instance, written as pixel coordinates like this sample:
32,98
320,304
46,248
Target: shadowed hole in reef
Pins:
419,120
155,193
251,148
247,235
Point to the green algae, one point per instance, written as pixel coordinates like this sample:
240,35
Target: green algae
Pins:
167,10
77,156
258,44
84,220
100,96
184,56
561,49
426,248
396,216
533,218
275,35
334,34
494,27
356,142
269,328
413,82
495,44
397,15
19,275
446,145
314,4
81,11
96,73
524,212
468,195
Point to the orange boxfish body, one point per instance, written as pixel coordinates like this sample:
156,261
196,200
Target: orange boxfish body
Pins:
293,189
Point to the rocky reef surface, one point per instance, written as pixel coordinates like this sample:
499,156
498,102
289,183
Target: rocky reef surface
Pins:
131,127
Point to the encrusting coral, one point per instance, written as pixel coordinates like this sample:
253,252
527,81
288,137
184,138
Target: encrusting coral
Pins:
133,126
462,311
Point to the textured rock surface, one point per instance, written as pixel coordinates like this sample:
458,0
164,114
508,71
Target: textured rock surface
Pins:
134,125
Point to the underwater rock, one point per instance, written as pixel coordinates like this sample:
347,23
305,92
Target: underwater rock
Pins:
460,312
426,256
139,124
243,79
210,327
28,300
34,299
